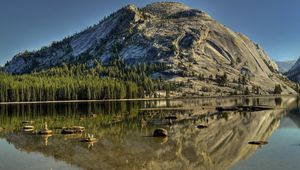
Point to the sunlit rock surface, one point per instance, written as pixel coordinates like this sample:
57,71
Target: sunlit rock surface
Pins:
189,41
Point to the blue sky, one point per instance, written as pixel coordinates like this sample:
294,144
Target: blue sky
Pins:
31,24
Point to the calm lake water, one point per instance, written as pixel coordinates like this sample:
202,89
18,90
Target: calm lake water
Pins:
124,131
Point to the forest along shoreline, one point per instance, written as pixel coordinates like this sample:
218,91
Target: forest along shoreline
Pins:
149,99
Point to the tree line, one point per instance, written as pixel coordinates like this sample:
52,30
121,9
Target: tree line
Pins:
43,88
81,82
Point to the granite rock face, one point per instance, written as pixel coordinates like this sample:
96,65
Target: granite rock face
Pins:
189,41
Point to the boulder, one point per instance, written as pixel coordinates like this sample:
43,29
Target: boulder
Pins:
160,132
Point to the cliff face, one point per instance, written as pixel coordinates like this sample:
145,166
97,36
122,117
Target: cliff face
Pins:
189,41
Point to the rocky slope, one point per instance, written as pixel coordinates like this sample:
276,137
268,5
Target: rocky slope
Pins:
285,66
188,41
294,73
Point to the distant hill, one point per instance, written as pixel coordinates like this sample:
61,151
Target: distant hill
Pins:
294,73
199,54
285,66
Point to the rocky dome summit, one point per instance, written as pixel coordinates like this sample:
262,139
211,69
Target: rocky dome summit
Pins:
171,10
165,8
192,45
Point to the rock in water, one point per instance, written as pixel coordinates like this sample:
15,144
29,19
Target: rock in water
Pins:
202,126
45,132
160,133
258,142
28,128
73,130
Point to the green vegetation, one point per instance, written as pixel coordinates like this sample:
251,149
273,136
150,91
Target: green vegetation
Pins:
42,88
297,88
269,65
255,89
244,79
247,91
83,82
86,81
221,80
277,89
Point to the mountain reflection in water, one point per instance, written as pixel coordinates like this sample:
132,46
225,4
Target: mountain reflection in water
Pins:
123,132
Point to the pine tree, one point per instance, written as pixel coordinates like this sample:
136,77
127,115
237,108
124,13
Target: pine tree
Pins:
277,89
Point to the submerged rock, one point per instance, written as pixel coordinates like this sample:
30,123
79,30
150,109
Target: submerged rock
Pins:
90,139
28,122
258,142
161,141
202,126
228,108
28,127
244,108
74,129
160,132
45,132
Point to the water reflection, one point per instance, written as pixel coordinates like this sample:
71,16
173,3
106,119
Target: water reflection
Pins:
123,131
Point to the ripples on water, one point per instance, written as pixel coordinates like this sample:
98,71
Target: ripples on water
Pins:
123,130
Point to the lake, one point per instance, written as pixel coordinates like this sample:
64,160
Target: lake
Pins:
124,135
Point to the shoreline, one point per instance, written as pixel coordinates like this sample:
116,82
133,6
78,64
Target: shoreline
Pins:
145,99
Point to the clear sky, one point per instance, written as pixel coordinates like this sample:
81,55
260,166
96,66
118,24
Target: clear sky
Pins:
31,24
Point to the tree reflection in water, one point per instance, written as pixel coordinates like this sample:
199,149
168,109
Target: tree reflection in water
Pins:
123,132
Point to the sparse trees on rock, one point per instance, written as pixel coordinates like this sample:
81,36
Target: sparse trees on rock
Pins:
247,91
277,89
255,89
221,80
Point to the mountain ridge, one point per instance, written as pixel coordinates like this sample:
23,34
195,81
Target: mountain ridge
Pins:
193,46
285,66
294,73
